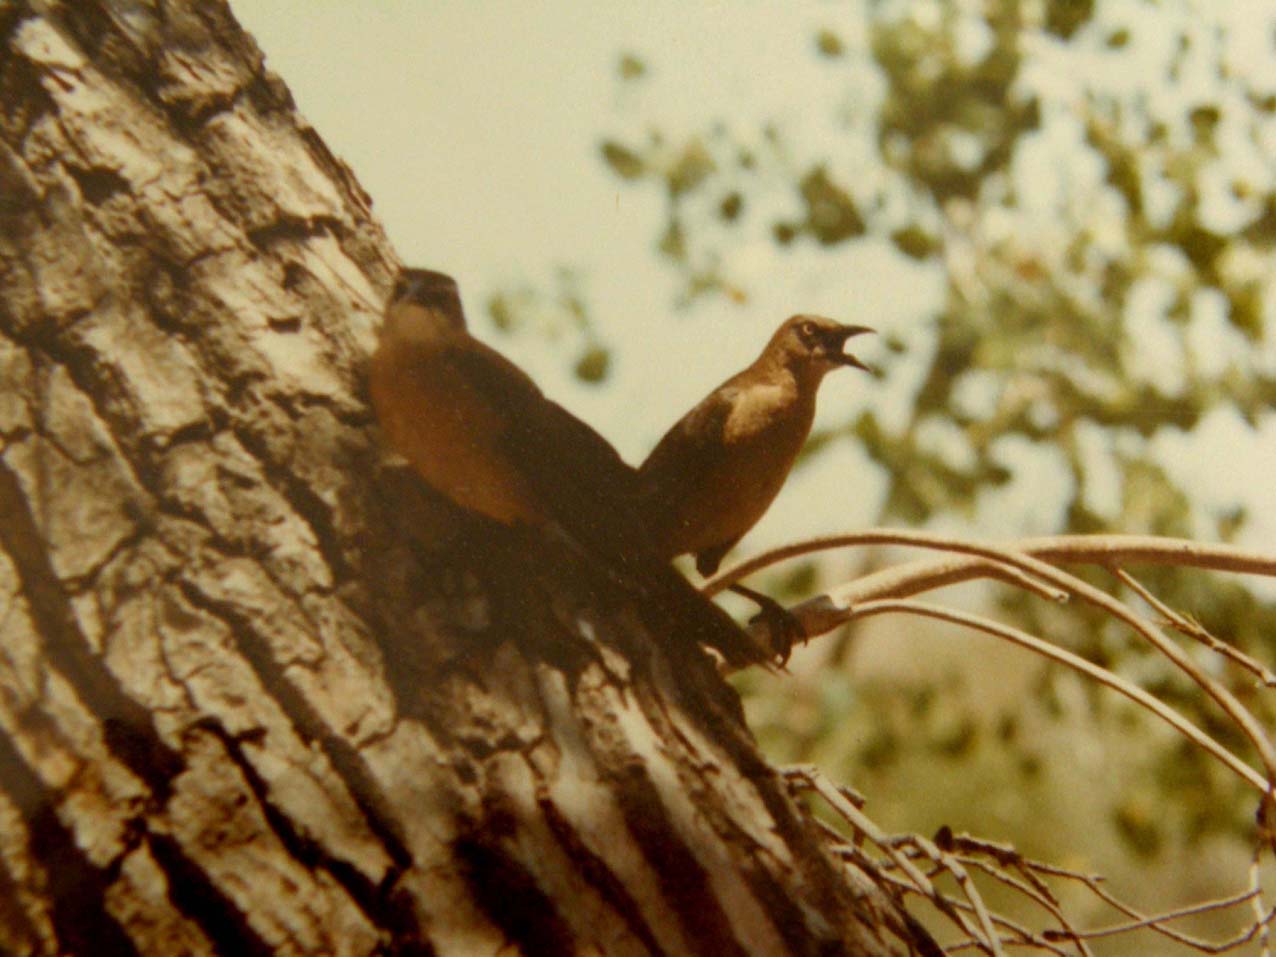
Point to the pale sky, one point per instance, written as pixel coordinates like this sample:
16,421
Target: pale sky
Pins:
476,126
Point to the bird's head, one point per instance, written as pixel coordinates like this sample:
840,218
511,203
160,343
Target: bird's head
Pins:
816,344
430,290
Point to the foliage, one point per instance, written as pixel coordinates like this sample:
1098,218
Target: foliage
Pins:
1094,181
1081,221
556,314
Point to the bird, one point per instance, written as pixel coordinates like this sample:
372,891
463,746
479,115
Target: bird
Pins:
479,430
717,470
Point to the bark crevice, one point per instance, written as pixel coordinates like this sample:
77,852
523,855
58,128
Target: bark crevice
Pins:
127,727
74,886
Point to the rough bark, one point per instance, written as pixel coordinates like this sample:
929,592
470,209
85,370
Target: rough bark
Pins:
261,693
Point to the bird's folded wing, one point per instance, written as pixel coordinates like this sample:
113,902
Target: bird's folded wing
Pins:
587,487
688,457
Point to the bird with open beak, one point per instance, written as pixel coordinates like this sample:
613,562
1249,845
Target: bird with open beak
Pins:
715,473
479,431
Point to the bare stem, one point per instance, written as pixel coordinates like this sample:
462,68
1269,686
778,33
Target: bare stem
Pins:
828,611
1108,550
1077,663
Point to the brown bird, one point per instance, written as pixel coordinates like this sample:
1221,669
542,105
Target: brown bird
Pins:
479,430
716,472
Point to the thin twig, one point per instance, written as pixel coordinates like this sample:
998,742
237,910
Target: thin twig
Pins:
1256,887
1077,663
878,871
1035,890
1094,884
1071,547
953,866
1194,629
847,810
1179,913
1008,857
1026,565
1107,550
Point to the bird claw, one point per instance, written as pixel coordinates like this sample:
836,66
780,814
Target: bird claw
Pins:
784,630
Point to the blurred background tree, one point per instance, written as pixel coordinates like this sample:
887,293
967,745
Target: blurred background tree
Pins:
1106,237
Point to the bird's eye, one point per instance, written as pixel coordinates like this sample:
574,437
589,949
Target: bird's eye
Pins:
808,330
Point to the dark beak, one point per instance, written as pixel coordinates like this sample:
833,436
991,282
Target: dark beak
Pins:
837,339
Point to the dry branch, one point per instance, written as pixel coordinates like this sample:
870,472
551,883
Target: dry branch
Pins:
1029,565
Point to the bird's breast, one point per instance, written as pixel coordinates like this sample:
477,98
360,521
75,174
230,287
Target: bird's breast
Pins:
761,437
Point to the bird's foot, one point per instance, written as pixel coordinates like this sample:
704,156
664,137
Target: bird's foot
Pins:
784,630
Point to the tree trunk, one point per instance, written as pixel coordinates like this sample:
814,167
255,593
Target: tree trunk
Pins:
260,692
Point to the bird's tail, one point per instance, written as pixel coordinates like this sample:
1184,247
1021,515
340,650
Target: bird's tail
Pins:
670,604
684,610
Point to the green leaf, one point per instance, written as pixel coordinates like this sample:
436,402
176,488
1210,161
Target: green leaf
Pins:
631,67
1118,39
829,44
1066,17
624,162
915,242
831,214
690,170
594,364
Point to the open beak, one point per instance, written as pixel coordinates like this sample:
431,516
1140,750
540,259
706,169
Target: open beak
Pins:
837,339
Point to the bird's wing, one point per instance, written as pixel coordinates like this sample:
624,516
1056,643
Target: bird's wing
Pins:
494,379
688,456
587,487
